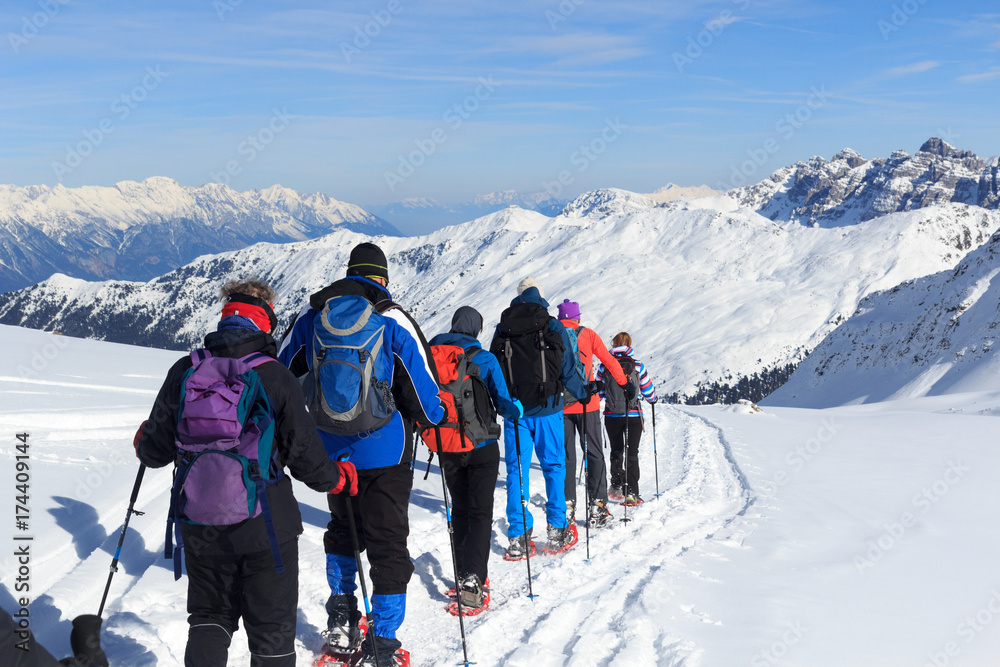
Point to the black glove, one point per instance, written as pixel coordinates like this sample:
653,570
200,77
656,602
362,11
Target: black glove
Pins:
593,388
631,391
86,641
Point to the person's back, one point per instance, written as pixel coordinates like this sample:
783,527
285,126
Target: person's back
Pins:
584,417
247,560
471,476
537,363
382,456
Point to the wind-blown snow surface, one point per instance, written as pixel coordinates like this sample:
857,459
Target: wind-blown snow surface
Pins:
707,290
930,336
852,536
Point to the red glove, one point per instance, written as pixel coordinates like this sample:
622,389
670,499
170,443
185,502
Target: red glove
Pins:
348,478
137,438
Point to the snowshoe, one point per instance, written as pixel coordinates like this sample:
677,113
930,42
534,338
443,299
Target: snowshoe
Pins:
401,658
342,649
632,500
561,540
616,493
517,549
475,597
600,515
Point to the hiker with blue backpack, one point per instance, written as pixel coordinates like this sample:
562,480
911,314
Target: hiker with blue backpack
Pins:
232,419
366,374
469,452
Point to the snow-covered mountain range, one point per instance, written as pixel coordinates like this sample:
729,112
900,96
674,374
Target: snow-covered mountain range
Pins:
423,215
140,230
710,291
848,188
930,336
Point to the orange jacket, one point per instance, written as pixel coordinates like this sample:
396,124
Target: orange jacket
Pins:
590,344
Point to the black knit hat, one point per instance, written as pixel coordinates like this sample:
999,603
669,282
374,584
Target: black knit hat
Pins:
368,260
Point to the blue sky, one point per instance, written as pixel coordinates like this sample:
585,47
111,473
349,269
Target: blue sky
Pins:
374,102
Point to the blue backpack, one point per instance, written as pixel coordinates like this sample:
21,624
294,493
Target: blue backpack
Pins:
226,457
348,388
579,368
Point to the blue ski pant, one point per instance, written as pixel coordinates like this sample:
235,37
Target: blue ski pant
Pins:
546,436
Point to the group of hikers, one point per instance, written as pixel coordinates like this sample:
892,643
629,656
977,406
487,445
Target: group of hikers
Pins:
340,405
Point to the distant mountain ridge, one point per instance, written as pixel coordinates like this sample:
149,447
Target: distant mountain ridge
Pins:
426,215
140,230
849,189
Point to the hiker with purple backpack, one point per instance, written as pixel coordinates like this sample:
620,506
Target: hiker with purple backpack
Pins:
232,419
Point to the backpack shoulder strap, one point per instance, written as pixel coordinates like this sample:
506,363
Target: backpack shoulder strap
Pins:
199,355
255,359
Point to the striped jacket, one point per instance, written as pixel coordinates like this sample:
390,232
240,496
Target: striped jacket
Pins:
645,384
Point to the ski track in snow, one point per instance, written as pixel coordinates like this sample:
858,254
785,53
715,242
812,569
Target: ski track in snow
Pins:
631,569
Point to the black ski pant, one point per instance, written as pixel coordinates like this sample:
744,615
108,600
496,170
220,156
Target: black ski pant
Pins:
472,482
616,437
381,516
597,474
224,588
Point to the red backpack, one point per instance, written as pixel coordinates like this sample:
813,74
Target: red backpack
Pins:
470,416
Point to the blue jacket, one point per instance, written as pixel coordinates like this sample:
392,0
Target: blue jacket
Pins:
570,373
413,384
489,369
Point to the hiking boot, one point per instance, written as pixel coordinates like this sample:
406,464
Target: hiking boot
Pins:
389,653
471,592
570,511
632,500
616,492
600,515
519,546
561,539
343,632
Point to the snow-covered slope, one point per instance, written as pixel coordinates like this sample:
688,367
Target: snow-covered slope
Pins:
852,536
421,215
670,192
930,336
708,290
848,188
136,231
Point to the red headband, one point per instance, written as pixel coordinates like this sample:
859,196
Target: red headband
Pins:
255,314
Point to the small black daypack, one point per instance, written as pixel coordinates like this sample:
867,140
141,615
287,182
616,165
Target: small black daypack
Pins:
530,354
615,400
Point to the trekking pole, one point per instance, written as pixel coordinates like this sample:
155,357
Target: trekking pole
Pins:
656,468
361,574
583,468
586,481
451,538
524,503
625,501
121,538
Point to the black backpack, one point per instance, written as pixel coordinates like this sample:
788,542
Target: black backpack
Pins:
616,402
530,354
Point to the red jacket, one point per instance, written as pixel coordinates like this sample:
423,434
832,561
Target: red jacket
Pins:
590,344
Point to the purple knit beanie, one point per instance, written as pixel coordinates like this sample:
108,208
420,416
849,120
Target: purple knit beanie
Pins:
569,310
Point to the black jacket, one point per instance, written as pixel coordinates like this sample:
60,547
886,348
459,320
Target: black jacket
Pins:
299,447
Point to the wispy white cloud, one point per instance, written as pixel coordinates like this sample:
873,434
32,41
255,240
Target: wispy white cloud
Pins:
914,68
992,73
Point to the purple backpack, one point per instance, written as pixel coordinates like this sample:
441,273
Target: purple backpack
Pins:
225,449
